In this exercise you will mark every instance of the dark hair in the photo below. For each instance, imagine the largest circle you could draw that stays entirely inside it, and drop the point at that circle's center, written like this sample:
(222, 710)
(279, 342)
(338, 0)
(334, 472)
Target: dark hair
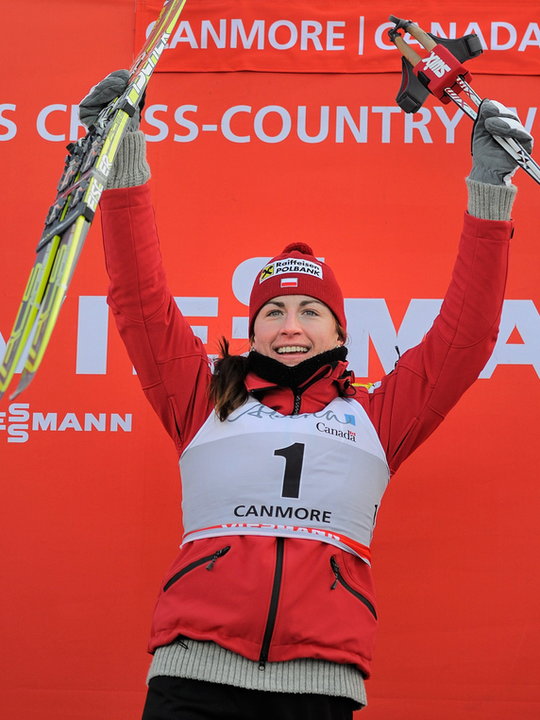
(227, 386)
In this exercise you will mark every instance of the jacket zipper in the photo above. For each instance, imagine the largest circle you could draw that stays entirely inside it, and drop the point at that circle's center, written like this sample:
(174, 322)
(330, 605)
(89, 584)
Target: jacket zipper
(340, 579)
(274, 601)
(210, 559)
(278, 575)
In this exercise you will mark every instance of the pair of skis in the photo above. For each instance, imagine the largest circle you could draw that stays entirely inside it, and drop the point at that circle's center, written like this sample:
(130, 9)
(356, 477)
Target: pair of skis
(443, 75)
(68, 220)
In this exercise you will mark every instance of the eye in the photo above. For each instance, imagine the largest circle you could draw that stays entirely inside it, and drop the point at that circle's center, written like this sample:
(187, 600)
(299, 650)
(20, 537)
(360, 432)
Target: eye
(273, 313)
(310, 312)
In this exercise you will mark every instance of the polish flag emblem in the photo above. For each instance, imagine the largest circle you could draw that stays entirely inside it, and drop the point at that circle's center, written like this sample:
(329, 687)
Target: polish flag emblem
(289, 282)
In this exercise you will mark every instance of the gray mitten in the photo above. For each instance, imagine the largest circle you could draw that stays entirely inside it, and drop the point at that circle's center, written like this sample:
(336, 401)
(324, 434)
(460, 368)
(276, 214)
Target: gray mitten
(492, 164)
(101, 95)
(130, 167)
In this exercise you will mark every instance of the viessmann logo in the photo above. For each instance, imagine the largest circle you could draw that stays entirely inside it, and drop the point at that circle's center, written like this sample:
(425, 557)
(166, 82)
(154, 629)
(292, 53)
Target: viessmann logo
(19, 422)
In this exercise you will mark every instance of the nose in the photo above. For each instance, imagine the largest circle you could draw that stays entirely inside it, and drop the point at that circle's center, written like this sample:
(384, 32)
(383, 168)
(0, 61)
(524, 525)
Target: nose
(290, 324)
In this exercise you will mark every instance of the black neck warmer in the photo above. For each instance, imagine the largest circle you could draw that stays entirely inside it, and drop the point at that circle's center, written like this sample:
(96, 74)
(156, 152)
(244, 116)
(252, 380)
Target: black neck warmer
(293, 377)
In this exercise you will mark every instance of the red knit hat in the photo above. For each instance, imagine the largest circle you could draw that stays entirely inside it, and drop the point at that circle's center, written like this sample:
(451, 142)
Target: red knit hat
(296, 272)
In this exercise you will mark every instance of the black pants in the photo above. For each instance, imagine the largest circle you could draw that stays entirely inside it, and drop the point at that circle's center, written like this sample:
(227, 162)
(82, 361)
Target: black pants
(171, 698)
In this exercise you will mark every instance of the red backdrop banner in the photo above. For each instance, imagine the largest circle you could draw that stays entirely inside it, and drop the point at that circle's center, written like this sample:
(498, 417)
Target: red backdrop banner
(309, 146)
(341, 36)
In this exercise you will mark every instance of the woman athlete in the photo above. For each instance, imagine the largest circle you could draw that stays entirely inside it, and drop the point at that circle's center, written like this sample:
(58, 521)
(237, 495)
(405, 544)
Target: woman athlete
(269, 609)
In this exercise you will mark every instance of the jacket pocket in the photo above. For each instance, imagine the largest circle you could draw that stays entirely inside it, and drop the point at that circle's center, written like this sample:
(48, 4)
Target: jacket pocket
(341, 580)
(210, 561)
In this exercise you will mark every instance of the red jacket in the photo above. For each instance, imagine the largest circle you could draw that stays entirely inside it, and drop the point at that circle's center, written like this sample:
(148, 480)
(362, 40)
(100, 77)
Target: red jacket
(273, 598)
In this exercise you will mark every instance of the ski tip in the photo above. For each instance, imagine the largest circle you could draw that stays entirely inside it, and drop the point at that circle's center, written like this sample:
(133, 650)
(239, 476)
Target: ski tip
(24, 382)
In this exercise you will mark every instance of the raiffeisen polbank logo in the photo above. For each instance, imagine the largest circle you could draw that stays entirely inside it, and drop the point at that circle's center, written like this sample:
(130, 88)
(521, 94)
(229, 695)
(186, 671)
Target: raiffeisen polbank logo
(19, 422)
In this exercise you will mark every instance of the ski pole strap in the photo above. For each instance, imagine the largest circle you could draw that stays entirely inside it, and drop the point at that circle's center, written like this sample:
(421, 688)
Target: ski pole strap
(442, 69)
(443, 74)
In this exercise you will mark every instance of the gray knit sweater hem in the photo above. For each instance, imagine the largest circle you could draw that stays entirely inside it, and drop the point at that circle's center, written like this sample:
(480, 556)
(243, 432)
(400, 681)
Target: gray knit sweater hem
(209, 662)
(490, 202)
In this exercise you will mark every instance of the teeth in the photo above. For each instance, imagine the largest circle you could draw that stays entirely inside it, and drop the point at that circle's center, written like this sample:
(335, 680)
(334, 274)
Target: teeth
(291, 349)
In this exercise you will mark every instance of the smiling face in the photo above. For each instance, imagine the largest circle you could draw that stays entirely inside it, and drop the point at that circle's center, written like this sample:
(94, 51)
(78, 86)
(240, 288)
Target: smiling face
(292, 328)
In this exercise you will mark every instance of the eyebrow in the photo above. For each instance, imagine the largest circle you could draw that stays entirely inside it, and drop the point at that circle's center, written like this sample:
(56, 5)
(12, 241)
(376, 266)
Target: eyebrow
(302, 303)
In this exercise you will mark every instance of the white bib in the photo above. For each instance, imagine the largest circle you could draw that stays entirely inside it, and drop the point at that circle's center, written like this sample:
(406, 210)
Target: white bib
(318, 476)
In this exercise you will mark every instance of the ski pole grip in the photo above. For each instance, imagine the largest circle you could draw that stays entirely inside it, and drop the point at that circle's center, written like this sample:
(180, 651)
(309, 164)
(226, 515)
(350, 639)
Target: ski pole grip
(423, 38)
(406, 50)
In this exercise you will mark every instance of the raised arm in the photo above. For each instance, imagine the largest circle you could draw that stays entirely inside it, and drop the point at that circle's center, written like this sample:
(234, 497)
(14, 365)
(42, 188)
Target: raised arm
(171, 363)
(430, 378)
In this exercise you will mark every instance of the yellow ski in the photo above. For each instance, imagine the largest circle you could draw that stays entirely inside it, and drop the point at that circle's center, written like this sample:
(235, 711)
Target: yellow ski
(87, 167)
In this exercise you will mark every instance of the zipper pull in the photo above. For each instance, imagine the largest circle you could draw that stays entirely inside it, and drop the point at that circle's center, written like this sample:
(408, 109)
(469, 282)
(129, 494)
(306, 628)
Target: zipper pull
(216, 555)
(335, 570)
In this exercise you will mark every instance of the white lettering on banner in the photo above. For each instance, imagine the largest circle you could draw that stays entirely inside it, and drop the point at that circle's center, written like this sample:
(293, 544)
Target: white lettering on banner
(531, 38)
(520, 315)
(313, 30)
(318, 124)
(314, 35)
(193, 130)
(450, 124)
(286, 124)
(369, 321)
(75, 126)
(153, 121)
(334, 124)
(93, 327)
(383, 42)
(9, 125)
(510, 32)
(41, 119)
(491, 30)
(417, 122)
(290, 36)
(438, 29)
(279, 35)
(92, 335)
(333, 35)
(238, 31)
(220, 39)
(270, 124)
(357, 130)
(19, 421)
